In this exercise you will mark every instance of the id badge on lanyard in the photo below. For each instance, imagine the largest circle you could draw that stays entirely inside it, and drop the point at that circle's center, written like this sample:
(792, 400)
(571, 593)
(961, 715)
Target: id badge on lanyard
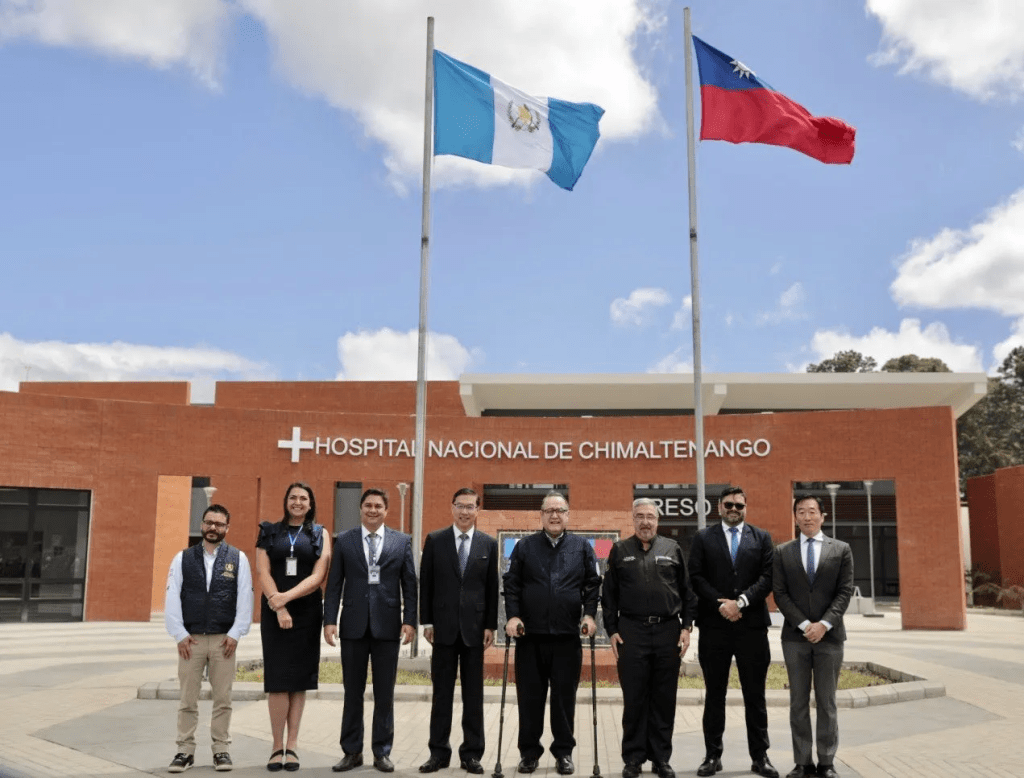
(291, 564)
(374, 574)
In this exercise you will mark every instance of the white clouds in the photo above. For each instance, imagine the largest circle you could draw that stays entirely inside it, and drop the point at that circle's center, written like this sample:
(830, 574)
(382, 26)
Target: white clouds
(161, 33)
(789, 307)
(980, 267)
(387, 355)
(974, 47)
(367, 57)
(57, 361)
(636, 309)
(672, 363)
(1004, 347)
(1018, 142)
(932, 341)
(684, 316)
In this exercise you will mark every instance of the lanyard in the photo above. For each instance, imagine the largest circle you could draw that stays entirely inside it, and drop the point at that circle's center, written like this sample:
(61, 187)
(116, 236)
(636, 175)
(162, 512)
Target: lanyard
(293, 538)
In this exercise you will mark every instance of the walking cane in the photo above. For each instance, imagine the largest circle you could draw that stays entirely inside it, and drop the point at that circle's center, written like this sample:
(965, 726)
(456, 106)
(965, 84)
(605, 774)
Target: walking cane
(501, 718)
(593, 686)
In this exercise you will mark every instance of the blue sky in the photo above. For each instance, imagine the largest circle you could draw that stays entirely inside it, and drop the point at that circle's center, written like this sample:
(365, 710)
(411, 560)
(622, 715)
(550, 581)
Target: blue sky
(210, 190)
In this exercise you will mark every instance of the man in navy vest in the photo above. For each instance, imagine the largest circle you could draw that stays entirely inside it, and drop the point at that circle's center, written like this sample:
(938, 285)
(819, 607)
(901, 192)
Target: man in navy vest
(207, 609)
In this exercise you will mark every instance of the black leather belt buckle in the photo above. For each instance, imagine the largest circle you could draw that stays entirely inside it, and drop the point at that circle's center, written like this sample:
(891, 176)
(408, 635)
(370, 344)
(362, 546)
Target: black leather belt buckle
(652, 620)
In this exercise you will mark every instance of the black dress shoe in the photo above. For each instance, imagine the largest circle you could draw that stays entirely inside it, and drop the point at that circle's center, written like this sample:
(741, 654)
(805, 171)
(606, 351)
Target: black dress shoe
(472, 765)
(527, 765)
(763, 767)
(564, 765)
(433, 764)
(348, 762)
(664, 770)
(801, 770)
(710, 766)
(827, 771)
(383, 764)
(631, 770)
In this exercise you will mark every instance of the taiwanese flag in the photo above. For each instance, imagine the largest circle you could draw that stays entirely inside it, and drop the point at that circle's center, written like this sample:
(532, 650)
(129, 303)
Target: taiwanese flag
(738, 107)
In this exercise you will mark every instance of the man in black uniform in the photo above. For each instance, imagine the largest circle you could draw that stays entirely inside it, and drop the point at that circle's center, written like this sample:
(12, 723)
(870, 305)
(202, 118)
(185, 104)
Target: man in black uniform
(648, 613)
(552, 580)
(731, 572)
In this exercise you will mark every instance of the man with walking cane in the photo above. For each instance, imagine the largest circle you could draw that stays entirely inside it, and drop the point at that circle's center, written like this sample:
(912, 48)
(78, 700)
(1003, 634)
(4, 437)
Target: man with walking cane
(552, 581)
(649, 609)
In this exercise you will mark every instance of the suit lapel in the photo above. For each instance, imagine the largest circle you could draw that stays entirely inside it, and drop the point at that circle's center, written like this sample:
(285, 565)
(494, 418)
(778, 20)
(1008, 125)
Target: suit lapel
(476, 547)
(718, 538)
(827, 550)
(357, 544)
(797, 558)
(451, 543)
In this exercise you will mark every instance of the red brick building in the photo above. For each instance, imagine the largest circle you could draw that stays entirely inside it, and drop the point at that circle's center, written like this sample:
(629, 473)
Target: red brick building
(997, 524)
(101, 483)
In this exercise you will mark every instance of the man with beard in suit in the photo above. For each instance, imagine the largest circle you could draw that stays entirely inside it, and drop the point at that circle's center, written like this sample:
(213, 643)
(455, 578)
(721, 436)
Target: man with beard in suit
(459, 613)
(731, 572)
(813, 583)
(372, 576)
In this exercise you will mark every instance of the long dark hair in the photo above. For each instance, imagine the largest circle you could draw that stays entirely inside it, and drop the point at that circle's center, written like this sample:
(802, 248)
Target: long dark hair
(310, 519)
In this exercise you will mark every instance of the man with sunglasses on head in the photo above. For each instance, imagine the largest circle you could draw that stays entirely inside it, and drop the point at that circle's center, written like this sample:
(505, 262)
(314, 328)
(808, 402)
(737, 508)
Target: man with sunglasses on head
(552, 581)
(731, 572)
(207, 610)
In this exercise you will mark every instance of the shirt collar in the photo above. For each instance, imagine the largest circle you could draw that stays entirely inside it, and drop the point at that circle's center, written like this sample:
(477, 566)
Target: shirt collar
(379, 533)
(458, 532)
(726, 528)
(820, 537)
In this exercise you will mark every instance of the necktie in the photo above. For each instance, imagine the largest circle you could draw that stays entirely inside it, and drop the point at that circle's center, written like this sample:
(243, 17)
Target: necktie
(734, 542)
(463, 552)
(810, 559)
(372, 540)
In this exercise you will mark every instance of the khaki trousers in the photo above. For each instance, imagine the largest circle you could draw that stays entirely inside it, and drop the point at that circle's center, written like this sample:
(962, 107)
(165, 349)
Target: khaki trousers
(206, 653)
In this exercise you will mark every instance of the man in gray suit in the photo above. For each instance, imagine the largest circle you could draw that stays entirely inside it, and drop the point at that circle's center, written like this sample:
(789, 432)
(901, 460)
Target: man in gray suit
(813, 583)
(372, 576)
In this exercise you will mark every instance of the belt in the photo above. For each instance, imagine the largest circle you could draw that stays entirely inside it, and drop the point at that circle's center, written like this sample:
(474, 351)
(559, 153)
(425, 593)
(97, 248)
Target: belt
(649, 619)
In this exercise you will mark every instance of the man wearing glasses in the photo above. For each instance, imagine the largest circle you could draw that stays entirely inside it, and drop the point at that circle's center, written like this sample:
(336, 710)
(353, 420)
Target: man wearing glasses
(459, 613)
(552, 581)
(731, 572)
(207, 610)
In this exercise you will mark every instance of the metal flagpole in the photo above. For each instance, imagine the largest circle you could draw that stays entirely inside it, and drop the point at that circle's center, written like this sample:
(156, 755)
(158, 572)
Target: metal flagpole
(698, 394)
(421, 352)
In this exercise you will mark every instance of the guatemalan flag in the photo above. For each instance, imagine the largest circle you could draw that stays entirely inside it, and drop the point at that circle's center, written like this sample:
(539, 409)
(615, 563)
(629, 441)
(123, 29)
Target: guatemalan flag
(479, 117)
(738, 107)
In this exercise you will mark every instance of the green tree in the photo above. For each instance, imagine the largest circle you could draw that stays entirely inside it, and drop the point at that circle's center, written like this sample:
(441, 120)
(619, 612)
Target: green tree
(912, 363)
(845, 362)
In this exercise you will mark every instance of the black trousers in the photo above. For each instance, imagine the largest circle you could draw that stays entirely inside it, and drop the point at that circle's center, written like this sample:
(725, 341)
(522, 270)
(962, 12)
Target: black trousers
(355, 654)
(547, 661)
(716, 649)
(469, 662)
(648, 665)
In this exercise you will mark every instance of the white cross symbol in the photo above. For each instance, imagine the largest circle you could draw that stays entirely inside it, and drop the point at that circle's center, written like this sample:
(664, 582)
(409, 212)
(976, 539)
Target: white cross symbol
(296, 444)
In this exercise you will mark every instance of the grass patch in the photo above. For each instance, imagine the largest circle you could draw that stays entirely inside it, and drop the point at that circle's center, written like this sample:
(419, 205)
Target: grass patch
(330, 672)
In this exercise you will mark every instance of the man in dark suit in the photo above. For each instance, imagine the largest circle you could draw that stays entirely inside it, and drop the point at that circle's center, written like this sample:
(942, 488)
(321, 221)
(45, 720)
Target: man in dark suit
(813, 584)
(731, 572)
(459, 613)
(372, 576)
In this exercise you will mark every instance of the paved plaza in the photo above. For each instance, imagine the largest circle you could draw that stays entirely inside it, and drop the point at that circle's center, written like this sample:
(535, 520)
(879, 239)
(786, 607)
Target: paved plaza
(69, 706)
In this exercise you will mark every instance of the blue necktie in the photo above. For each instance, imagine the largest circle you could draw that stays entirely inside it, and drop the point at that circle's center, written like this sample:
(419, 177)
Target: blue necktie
(734, 542)
(810, 560)
(463, 552)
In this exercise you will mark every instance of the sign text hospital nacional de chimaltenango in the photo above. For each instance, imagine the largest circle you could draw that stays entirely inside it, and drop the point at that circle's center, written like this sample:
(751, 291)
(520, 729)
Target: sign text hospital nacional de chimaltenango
(507, 449)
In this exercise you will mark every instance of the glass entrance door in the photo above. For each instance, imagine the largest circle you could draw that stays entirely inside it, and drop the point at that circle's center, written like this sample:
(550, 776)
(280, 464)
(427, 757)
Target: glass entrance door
(44, 536)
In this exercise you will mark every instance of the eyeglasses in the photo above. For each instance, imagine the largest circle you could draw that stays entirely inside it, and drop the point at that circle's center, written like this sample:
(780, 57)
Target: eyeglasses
(553, 511)
(214, 524)
(738, 506)
(468, 507)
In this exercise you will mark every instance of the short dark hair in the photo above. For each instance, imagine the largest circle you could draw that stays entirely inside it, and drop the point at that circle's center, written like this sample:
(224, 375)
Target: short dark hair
(374, 492)
(218, 508)
(801, 497)
(731, 490)
(556, 493)
(466, 490)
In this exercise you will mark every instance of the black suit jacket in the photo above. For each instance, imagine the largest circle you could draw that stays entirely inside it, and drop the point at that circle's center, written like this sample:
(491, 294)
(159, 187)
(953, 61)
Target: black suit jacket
(457, 605)
(379, 605)
(713, 576)
(825, 600)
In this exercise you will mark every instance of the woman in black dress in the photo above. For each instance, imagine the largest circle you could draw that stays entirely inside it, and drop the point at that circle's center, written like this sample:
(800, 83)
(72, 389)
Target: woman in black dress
(292, 560)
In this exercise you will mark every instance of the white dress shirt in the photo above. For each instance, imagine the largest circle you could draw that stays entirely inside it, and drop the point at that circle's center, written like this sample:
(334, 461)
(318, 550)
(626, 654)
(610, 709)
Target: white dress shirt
(173, 620)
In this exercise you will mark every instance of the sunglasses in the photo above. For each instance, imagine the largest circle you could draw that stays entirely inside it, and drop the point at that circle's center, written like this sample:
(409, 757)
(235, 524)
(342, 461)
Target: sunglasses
(739, 506)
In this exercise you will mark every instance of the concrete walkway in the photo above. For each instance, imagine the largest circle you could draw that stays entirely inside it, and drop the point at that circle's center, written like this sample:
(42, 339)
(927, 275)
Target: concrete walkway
(69, 707)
